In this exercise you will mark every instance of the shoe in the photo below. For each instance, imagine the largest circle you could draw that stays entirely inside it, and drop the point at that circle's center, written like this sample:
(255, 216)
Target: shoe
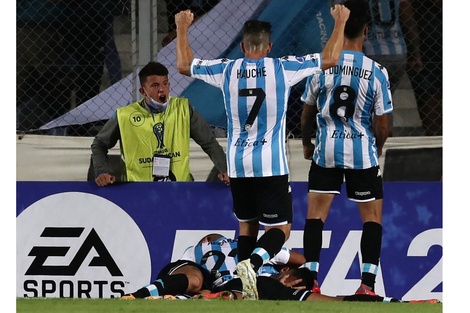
(169, 297)
(128, 297)
(316, 288)
(248, 277)
(432, 301)
(224, 295)
(183, 297)
(153, 298)
(365, 290)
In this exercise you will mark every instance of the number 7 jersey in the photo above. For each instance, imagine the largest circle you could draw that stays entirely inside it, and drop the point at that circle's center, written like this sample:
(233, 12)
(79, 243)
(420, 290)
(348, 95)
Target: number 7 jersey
(256, 94)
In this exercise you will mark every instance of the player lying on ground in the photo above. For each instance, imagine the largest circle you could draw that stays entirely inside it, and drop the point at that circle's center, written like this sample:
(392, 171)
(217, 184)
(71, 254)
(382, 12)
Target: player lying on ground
(292, 284)
(203, 268)
(191, 275)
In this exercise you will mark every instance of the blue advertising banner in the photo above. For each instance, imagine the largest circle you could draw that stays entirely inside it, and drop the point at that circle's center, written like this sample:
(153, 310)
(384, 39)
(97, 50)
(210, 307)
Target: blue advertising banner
(75, 239)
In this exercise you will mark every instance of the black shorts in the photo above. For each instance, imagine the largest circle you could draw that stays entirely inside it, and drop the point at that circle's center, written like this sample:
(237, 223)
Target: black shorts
(361, 185)
(171, 267)
(266, 199)
(270, 289)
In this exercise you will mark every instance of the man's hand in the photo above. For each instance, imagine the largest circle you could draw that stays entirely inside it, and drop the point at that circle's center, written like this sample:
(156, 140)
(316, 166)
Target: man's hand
(184, 19)
(291, 283)
(308, 151)
(340, 13)
(105, 179)
(224, 177)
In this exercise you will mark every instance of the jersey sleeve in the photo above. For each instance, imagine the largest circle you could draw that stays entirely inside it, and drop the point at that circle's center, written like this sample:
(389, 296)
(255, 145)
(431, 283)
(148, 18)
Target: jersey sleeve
(210, 71)
(312, 88)
(383, 95)
(297, 68)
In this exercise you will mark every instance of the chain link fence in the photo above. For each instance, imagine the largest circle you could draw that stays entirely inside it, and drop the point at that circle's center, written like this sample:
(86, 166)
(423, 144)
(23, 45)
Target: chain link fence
(73, 53)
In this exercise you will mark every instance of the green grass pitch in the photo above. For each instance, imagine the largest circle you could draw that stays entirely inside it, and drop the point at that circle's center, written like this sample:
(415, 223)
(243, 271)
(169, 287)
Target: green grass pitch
(49, 305)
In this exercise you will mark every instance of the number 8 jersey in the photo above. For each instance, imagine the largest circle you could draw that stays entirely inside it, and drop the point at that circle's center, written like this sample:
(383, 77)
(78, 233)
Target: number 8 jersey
(255, 96)
(348, 96)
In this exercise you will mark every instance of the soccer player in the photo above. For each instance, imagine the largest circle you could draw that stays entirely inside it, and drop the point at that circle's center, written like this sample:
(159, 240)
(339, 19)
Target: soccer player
(352, 103)
(205, 272)
(256, 89)
(294, 284)
(205, 268)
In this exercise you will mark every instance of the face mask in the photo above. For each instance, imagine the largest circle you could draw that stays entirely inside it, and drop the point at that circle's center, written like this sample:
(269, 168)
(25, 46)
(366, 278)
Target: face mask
(158, 105)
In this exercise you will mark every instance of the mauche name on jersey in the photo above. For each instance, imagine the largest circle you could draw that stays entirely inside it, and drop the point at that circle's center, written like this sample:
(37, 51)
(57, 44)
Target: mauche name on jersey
(251, 73)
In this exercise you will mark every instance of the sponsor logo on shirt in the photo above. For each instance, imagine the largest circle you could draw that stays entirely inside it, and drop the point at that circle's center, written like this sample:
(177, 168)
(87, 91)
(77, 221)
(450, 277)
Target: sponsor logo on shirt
(339, 134)
(247, 143)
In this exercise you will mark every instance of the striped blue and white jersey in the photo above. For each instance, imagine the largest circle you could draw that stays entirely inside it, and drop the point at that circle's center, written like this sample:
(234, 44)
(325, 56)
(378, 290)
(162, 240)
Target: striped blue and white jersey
(385, 36)
(347, 97)
(255, 96)
(220, 258)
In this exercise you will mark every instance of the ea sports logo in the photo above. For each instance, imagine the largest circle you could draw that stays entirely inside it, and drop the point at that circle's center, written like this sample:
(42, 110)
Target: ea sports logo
(79, 245)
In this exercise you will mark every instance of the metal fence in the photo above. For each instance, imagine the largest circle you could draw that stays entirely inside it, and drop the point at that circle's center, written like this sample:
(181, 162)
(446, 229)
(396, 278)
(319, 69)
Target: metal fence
(69, 53)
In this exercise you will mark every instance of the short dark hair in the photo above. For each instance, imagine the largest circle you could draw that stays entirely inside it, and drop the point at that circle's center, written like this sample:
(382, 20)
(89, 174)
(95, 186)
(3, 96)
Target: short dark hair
(256, 26)
(254, 31)
(152, 68)
(359, 17)
(304, 274)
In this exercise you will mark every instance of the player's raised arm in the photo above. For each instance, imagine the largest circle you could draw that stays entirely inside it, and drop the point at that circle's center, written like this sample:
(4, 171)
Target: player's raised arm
(334, 45)
(184, 55)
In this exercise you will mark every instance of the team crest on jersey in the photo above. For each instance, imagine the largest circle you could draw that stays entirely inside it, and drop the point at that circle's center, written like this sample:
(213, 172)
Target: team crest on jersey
(300, 59)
